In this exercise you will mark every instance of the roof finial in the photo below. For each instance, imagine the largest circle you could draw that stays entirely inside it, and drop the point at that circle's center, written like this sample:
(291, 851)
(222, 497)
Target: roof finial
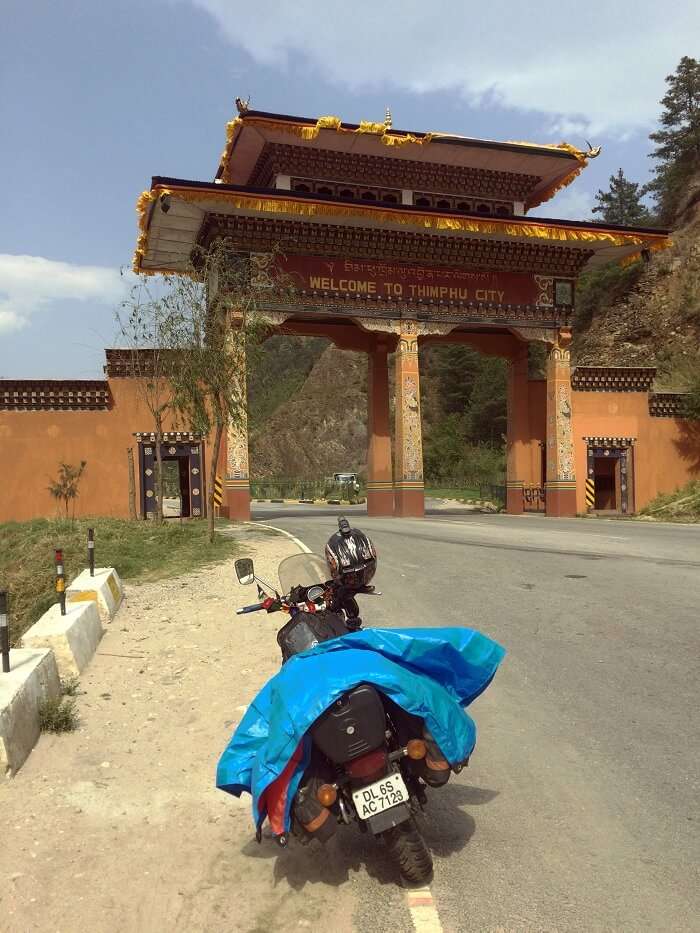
(593, 151)
(242, 106)
(387, 119)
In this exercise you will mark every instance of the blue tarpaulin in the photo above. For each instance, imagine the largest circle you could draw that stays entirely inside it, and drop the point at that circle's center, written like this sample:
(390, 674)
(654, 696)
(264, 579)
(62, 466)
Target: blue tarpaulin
(430, 672)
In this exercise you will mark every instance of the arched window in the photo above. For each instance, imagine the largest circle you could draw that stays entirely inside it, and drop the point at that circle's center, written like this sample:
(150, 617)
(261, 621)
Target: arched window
(347, 194)
(483, 208)
(300, 186)
(369, 196)
(390, 199)
(502, 211)
(443, 205)
(422, 202)
(464, 206)
(324, 189)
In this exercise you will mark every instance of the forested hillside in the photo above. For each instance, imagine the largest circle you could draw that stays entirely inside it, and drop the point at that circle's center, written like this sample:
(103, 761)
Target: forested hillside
(309, 411)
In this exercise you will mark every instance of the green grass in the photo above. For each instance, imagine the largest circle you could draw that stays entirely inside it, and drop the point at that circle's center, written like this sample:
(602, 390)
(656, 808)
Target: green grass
(139, 551)
(58, 714)
(683, 505)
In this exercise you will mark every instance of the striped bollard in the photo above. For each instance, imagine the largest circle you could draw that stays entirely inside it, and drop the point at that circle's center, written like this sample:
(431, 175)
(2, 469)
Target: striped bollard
(60, 580)
(91, 551)
(4, 634)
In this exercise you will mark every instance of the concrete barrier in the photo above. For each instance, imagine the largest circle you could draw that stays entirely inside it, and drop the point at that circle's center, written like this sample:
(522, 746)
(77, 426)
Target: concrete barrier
(33, 678)
(105, 589)
(73, 637)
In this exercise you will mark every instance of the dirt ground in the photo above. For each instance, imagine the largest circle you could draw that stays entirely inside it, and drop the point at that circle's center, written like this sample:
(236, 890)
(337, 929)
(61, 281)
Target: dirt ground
(118, 826)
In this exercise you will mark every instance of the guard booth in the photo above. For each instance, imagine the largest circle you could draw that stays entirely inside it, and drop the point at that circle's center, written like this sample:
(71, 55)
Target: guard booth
(396, 239)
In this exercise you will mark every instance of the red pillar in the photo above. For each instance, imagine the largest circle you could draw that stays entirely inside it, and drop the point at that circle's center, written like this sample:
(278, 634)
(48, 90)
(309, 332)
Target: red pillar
(409, 494)
(518, 432)
(238, 499)
(561, 474)
(380, 487)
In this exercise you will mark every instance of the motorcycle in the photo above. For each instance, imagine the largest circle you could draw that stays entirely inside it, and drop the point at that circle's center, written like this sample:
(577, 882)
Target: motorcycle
(370, 760)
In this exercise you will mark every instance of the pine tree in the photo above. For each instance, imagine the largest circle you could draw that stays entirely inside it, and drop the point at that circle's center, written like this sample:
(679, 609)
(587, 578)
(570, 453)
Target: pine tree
(486, 416)
(455, 367)
(678, 140)
(622, 202)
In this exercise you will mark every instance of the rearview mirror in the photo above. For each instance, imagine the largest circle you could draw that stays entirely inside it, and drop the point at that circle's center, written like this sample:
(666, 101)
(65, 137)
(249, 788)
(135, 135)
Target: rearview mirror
(244, 570)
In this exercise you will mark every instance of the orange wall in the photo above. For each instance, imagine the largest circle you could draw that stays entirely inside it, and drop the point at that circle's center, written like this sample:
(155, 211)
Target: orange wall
(666, 450)
(33, 443)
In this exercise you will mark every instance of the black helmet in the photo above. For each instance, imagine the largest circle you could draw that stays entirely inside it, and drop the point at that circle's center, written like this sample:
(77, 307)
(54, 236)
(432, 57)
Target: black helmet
(351, 557)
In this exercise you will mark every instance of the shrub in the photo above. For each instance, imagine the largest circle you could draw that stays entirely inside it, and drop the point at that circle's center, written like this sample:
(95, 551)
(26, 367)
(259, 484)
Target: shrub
(58, 714)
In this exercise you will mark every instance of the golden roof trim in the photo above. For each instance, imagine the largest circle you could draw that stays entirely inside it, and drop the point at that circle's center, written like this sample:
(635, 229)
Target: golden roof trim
(390, 137)
(285, 203)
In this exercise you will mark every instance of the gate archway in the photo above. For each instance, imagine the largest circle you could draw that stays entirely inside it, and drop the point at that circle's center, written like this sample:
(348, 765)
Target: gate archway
(393, 238)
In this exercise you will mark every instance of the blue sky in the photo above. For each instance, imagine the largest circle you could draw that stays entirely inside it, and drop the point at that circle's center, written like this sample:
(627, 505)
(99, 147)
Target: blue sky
(95, 97)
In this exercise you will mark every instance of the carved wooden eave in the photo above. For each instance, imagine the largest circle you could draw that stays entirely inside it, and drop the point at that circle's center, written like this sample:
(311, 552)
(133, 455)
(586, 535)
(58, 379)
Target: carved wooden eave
(385, 171)
(369, 241)
(610, 441)
(54, 395)
(612, 378)
(133, 363)
(169, 437)
(176, 215)
(667, 404)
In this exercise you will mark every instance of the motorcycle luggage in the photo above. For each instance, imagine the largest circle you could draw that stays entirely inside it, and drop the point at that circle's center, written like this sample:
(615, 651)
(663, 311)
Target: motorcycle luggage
(434, 768)
(306, 629)
(311, 819)
(353, 726)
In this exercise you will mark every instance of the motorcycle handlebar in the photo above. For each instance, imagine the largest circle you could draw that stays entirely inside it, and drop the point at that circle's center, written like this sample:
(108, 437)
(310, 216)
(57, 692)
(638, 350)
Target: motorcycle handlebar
(256, 607)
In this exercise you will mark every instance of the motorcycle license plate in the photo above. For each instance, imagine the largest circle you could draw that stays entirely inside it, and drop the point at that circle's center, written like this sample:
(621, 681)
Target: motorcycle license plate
(382, 795)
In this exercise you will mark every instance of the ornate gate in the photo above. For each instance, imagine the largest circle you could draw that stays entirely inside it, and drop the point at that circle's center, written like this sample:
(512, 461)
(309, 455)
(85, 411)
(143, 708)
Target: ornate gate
(188, 450)
(610, 474)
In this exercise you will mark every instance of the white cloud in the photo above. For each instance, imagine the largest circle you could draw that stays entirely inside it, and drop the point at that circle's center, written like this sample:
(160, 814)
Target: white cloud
(30, 284)
(600, 66)
(570, 204)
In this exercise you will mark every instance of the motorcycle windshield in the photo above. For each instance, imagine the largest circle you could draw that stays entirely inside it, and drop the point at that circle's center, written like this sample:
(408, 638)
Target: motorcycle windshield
(302, 570)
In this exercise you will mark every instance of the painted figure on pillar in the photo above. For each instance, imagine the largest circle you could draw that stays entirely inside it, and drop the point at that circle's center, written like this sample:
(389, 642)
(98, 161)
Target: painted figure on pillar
(237, 469)
(412, 444)
(409, 442)
(561, 477)
(237, 452)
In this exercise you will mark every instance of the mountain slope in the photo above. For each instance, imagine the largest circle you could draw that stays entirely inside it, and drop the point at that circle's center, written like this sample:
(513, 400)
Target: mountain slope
(648, 314)
(322, 428)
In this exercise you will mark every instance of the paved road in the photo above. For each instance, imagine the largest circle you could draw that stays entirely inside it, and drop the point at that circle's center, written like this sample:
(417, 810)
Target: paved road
(580, 808)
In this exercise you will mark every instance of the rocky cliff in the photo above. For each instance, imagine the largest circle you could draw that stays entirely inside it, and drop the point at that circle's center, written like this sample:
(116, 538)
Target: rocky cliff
(650, 315)
(322, 427)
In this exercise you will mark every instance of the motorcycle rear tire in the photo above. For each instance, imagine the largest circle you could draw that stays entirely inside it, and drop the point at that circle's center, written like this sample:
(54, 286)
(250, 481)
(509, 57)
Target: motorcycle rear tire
(408, 849)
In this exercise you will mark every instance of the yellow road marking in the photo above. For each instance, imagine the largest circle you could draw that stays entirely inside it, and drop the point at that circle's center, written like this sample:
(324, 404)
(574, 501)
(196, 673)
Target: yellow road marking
(423, 911)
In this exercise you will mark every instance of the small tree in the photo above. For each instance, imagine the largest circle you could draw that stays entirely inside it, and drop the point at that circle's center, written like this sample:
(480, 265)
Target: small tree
(65, 488)
(677, 151)
(215, 329)
(146, 326)
(622, 202)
